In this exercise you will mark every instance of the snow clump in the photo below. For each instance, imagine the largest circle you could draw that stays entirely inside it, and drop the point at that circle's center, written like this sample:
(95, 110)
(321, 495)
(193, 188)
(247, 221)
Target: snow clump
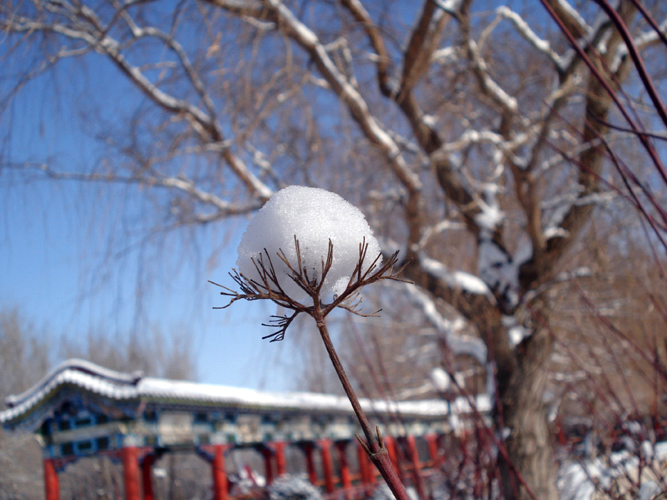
(440, 379)
(382, 492)
(314, 216)
(289, 487)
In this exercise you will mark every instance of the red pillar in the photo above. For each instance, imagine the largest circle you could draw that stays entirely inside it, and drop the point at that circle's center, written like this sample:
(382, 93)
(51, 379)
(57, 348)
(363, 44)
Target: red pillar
(310, 463)
(416, 466)
(414, 453)
(131, 473)
(366, 467)
(220, 486)
(51, 486)
(281, 462)
(390, 443)
(147, 477)
(268, 464)
(345, 477)
(327, 465)
(363, 465)
(432, 442)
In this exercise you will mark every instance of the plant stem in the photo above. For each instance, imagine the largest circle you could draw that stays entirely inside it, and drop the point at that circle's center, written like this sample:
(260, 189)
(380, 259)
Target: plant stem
(375, 447)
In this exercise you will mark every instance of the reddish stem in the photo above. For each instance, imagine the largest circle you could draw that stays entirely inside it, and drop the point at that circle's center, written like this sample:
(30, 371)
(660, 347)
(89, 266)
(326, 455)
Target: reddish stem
(374, 445)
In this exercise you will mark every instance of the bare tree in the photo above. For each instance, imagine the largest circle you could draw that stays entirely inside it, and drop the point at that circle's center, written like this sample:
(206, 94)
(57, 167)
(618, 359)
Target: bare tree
(475, 136)
(24, 358)
(24, 354)
(156, 354)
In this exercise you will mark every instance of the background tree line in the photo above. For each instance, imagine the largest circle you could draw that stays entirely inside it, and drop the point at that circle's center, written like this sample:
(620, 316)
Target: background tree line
(27, 353)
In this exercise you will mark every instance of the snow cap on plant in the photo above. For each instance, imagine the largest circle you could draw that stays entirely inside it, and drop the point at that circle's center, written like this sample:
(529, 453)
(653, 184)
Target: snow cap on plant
(314, 216)
(311, 243)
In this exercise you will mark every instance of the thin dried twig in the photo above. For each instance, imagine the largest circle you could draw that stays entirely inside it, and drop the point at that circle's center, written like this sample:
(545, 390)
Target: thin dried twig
(282, 323)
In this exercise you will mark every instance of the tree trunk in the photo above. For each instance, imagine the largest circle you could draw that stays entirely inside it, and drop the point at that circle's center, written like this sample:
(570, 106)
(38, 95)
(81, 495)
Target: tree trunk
(524, 414)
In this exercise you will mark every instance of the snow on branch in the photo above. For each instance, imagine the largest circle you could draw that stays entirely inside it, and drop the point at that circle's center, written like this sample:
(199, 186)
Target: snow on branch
(222, 207)
(446, 55)
(528, 34)
(472, 137)
(562, 205)
(458, 280)
(574, 14)
(641, 41)
(85, 26)
(487, 84)
(348, 94)
(177, 48)
(596, 35)
(448, 6)
(458, 343)
(497, 267)
(440, 227)
(200, 120)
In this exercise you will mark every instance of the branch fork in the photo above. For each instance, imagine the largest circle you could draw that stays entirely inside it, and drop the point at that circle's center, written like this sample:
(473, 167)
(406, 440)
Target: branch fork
(266, 285)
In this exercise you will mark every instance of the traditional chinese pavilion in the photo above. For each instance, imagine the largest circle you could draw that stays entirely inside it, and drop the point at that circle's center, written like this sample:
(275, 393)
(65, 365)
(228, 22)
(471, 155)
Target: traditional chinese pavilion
(80, 409)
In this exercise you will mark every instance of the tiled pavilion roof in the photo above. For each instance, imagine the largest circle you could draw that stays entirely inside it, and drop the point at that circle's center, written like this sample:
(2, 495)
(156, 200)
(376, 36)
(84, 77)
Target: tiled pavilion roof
(133, 387)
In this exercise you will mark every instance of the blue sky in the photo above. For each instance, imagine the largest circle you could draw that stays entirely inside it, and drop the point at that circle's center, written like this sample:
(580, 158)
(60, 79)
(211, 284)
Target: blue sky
(54, 248)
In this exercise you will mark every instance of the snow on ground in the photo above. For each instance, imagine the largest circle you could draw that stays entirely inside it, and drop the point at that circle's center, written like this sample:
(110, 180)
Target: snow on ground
(577, 479)
(291, 487)
(314, 216)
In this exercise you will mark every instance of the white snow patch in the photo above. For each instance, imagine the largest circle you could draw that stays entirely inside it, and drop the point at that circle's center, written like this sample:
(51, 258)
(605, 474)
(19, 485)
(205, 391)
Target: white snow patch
(523, 254)
(577, 479)
(517, 334)
(648, 490)
(496, 267)
(440, 379)
(640, 41)
(430, 120)
(456, 342)
(528, 34)
(648, 452)
(498, 270)
(292, 487)
(515, 331)
(469, 283)
(555, 232)
(456, 279)
(575, 14)
(489, 218)
(314, 216)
